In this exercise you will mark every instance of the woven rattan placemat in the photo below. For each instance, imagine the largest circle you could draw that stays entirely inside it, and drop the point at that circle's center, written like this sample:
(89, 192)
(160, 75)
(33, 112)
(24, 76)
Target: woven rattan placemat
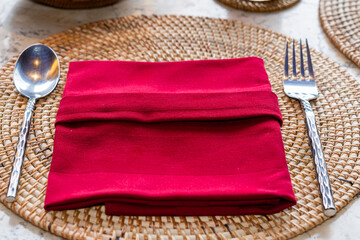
(259, 6)
(173, 38)
(340, 20)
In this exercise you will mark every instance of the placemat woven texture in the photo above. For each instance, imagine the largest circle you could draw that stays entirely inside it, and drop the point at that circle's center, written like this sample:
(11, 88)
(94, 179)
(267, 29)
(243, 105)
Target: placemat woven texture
(76, 3)
(258, 6)
(340, 20)
(174, 38)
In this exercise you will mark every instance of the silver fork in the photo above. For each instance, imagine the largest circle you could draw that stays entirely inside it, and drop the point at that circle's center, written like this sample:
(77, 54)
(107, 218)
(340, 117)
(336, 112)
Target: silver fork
(304, 89)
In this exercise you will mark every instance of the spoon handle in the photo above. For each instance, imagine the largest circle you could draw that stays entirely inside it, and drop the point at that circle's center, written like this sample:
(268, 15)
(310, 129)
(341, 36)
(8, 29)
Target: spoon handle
(20, 151)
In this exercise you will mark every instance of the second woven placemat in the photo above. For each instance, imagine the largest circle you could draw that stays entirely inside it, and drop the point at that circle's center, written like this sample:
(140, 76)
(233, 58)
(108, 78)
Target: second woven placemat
(340, 20)
(260, 6)
(174, 38)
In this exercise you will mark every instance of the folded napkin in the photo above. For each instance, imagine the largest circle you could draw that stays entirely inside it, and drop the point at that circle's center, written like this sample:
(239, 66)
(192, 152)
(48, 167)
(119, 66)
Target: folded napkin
(169, 138)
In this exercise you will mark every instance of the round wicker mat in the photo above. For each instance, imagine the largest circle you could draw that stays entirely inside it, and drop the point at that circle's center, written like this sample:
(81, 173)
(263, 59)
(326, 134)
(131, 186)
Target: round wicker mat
(259, 6)
(341, 22)
(173, 38)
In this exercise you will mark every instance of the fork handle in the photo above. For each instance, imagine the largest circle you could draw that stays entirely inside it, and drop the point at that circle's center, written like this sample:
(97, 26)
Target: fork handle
(320, 164)
(19, 152)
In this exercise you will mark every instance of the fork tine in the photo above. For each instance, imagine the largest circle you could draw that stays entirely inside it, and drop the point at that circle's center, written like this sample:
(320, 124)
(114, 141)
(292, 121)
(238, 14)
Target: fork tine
(294, 62)
(286, 63)
(302, 71)
(311, 72)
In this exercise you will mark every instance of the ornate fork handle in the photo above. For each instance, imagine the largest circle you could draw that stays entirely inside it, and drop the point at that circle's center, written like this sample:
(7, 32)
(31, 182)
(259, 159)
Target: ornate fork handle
(20, 151)
(320, 164)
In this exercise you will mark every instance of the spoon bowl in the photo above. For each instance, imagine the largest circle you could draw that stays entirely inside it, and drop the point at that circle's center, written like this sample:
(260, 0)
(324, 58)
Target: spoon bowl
(36, 74)
(36, 71)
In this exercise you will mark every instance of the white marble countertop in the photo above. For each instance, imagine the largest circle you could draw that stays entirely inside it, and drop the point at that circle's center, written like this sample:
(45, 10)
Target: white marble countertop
(23, 22)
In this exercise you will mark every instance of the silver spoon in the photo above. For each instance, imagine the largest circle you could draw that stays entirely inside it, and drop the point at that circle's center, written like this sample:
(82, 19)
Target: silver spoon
(36, 74)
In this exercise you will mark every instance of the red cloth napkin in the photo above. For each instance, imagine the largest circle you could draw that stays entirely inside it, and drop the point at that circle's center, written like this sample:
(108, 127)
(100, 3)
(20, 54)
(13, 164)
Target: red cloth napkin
(169, 138)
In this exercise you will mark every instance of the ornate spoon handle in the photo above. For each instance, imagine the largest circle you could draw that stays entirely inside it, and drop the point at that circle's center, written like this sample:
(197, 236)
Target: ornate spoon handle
(320, 164)
(20, 151)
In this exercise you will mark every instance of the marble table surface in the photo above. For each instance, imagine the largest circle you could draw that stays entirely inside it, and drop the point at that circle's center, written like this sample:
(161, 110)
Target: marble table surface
(23, 22)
